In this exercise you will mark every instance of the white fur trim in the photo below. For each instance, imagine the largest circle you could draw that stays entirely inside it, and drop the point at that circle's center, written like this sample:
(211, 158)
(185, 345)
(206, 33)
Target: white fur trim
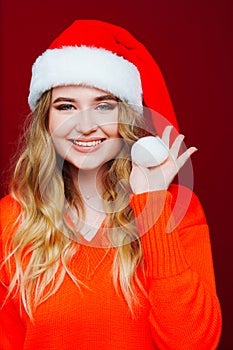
(85, 65)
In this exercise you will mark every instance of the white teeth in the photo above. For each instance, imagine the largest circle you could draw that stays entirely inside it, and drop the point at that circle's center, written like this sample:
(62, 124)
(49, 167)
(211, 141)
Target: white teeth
(86, 144)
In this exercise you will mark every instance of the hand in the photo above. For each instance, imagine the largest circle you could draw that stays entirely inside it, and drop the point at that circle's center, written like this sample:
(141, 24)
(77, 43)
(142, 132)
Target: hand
(146, 179)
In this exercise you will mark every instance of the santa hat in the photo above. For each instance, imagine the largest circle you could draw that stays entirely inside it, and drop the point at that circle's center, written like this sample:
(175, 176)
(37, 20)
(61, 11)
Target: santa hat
(108, 57)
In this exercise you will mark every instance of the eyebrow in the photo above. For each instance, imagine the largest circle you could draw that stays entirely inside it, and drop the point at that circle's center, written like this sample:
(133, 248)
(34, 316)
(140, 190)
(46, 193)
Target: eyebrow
(96, 99)
(106, 97)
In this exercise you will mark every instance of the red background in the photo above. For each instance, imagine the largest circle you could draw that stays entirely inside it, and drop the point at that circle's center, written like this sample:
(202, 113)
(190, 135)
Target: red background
(192, 43)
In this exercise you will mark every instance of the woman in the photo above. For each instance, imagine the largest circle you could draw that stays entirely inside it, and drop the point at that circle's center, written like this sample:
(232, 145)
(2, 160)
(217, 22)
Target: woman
(93, 253)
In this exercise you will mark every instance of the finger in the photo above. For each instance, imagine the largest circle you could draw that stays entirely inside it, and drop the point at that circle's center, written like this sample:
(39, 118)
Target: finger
(166, 135)
(175, 148)
(185, 156)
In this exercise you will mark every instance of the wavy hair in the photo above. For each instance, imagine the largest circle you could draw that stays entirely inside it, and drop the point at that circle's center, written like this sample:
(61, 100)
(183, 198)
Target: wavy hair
(42, 185)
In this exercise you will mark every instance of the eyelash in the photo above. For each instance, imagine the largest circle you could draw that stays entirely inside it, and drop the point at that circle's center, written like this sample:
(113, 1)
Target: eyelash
(65, 107)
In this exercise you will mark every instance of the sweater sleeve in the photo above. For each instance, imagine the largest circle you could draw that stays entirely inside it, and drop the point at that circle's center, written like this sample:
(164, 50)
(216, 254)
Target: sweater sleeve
(12, 330)
(184, 308)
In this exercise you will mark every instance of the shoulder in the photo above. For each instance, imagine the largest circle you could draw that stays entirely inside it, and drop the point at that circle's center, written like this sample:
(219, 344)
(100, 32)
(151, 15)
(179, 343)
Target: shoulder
(9, 206)
(7, 200)
(9, 212)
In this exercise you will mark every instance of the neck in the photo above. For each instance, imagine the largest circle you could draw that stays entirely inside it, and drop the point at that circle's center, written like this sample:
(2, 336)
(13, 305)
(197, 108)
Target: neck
(89, 182)
(90, 186)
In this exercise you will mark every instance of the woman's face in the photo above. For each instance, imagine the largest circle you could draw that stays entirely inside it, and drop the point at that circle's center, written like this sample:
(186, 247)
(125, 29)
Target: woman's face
(83, 123)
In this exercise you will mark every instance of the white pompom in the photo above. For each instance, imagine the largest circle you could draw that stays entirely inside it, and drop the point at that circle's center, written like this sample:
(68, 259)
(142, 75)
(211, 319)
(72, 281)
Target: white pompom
(149, 151)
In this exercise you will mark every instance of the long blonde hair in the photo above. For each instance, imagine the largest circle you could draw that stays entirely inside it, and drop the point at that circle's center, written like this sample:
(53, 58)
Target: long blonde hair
(42, 189)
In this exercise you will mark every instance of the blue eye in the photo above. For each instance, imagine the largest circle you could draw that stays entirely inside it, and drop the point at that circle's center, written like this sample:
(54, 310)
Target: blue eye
(105, 107)
(65, 107)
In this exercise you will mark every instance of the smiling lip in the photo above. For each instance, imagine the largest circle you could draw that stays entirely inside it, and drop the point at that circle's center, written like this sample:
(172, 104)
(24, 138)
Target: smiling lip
(86, 146)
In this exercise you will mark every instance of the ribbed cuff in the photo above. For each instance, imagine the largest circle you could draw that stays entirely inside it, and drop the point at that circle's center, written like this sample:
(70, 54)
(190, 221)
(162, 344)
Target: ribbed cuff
(163, 253)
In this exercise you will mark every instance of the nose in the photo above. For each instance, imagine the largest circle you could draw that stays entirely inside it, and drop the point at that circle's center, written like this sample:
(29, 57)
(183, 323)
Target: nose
(86, 122)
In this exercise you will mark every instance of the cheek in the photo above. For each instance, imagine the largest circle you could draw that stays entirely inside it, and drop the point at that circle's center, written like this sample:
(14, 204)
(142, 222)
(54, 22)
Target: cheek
(114, 145)
(52, 127)
(110, 124)
(58, 126)
(111, 130)
(53, 124)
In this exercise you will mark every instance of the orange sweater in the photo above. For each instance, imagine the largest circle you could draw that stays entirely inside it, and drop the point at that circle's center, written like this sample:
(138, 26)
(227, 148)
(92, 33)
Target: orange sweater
(181, 311)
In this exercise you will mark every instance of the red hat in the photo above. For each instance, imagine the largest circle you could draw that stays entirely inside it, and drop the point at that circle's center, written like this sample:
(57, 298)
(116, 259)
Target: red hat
(105, 56)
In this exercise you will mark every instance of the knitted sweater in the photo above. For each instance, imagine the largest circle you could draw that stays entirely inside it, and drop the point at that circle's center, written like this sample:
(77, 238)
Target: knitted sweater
(181, 310)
